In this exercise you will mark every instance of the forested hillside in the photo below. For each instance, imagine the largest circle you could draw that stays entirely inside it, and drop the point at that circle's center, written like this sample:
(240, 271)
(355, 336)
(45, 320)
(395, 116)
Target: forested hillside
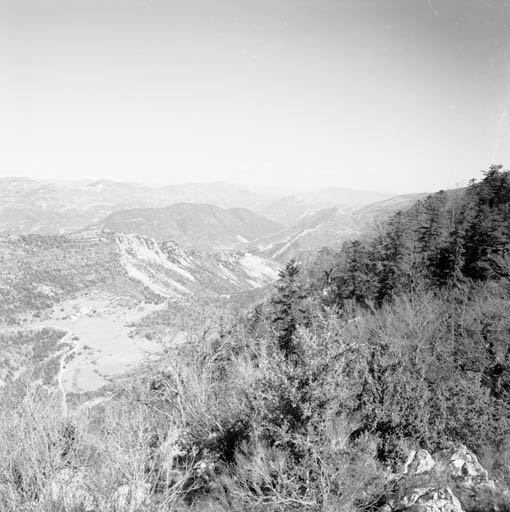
(315, 399)
(428, 298)
(443, 241)
(201, 226)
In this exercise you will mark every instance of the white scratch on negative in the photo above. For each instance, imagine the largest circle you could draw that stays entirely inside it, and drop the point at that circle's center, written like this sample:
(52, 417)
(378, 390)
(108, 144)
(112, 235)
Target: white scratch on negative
(432, 8)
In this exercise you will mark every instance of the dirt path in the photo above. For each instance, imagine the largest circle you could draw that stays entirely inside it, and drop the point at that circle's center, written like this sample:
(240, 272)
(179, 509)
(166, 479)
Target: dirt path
(66, 339)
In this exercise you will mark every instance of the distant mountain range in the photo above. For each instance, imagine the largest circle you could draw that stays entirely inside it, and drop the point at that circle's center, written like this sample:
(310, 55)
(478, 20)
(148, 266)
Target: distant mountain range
(203, 226)
(271, 223)
(383, 209)
(58, 207)
(290, 209)
(328, 227)
(313, 230)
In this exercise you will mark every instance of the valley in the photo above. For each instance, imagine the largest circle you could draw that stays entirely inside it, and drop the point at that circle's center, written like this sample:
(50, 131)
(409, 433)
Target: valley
(254, 256)
(102, 347)
(93, 344)
(95, 287)
(110, 266)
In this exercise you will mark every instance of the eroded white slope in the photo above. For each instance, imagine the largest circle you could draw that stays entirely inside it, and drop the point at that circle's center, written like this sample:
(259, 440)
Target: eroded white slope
(169, 270)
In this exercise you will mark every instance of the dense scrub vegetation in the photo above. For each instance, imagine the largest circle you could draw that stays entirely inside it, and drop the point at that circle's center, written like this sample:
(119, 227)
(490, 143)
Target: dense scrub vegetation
(312, 400)
(36, 272)
(433, 287)
(39, 349)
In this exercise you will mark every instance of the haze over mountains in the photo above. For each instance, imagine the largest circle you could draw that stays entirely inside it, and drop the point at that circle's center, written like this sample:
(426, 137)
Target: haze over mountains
(273, 223)
(57, 207)
(209, 227)
(290, 209)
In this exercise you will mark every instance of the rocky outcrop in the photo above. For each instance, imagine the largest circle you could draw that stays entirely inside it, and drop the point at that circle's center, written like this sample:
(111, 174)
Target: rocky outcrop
(418, 462)
(430, 499)
(461, 465)
(453, 480)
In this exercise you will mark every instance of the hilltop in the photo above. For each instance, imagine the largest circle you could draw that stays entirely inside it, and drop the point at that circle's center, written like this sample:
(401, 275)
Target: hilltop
(202, 226)
(57, 207)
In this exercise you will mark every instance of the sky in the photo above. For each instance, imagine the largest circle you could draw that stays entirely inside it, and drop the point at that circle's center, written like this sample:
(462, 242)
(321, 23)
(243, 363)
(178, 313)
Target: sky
(389, 95)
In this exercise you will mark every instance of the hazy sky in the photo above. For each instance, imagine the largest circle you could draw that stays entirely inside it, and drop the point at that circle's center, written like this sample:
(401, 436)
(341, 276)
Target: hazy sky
(400, 95)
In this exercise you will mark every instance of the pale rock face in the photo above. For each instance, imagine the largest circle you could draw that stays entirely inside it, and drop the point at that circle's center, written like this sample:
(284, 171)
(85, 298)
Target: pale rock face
(462, 466)
(69, 490)
(130, 498)
(418, 462)
(430, 499)
(463, 481)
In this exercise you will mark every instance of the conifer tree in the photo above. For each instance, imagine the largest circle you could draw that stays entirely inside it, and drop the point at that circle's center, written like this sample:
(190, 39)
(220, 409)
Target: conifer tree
(288, 308)
(488, 234)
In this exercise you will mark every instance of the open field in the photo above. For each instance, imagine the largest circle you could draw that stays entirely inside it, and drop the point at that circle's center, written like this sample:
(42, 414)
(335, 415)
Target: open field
(105, 348)
(100, 339)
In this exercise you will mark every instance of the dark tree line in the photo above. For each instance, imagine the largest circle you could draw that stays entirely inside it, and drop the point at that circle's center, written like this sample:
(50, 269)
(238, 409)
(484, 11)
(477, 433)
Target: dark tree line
(443, 241)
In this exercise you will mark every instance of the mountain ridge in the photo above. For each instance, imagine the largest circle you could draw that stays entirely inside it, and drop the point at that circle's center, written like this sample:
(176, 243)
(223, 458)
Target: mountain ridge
(199, 225)
(58, 207)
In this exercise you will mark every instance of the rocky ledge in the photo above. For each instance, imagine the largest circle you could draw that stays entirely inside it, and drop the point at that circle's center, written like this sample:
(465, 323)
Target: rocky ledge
(451, 480)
